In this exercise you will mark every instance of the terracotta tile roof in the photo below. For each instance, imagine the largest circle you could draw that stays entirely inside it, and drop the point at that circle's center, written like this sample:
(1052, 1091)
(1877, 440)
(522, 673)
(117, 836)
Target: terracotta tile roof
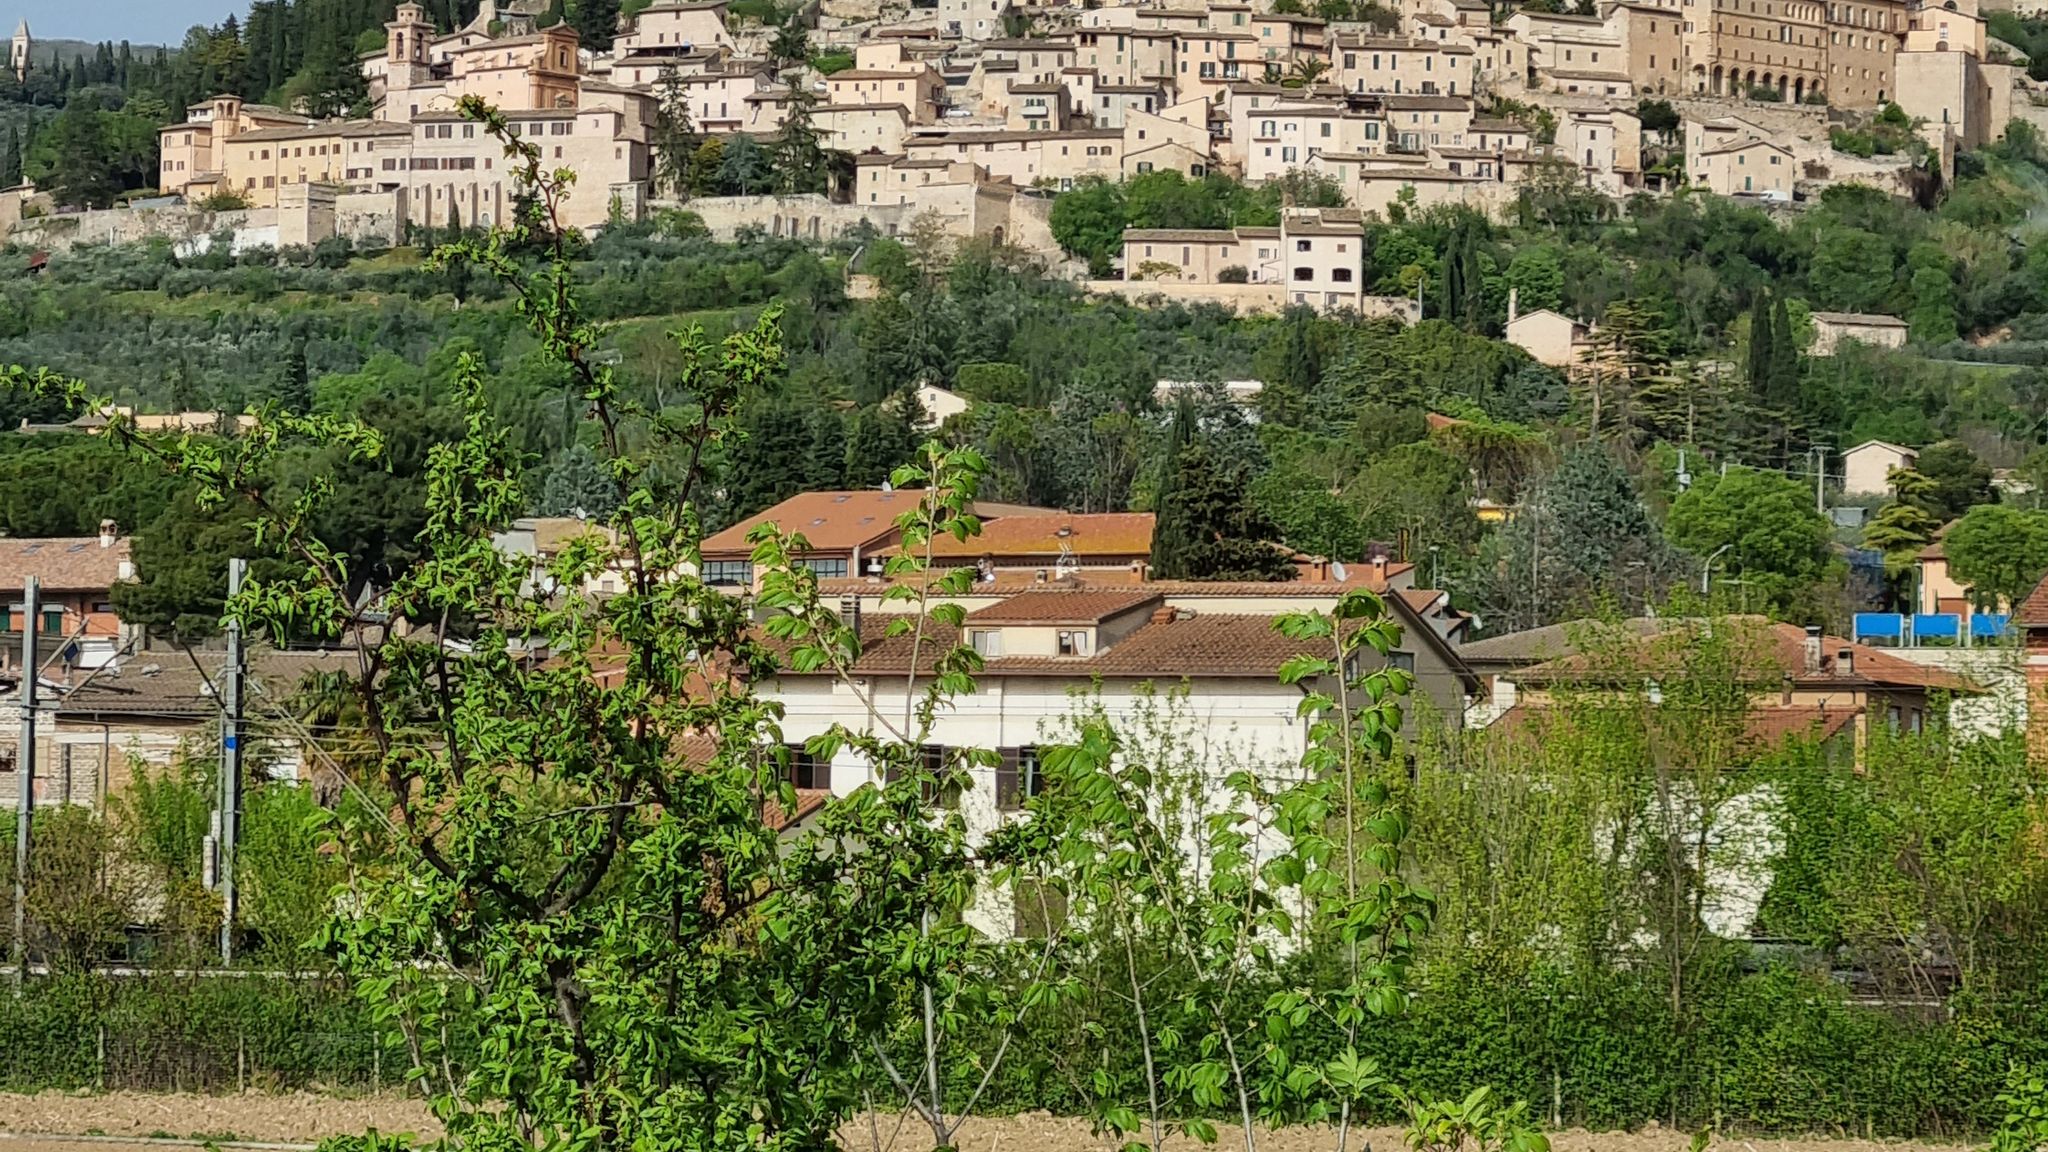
(1110, 534)
(830, 521)
(1762, 728)
(1012, 582)
(62, 563)
(1779, 650)
(1064, 607)
(171, 685)
(2033, 611)
(1201, 646)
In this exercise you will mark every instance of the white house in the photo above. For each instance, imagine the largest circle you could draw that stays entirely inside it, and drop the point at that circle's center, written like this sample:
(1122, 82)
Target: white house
(1866, 468)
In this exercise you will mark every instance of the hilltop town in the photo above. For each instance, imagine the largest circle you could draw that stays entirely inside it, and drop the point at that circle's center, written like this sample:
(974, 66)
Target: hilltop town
(978, 115)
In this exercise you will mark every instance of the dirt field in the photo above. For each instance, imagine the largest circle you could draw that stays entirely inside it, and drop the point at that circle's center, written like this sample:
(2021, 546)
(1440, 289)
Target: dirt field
(39, 1124)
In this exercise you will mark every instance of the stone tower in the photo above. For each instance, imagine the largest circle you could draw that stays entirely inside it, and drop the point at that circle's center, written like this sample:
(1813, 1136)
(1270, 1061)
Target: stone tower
(17, 56)
(406, 40)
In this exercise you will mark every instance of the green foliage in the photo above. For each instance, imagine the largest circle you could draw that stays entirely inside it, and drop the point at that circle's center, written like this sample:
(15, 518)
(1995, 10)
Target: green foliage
(1776, 541)
(1999, 551)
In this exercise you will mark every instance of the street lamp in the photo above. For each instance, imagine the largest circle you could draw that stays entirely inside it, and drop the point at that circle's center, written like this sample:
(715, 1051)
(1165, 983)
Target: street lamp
(1707, 573)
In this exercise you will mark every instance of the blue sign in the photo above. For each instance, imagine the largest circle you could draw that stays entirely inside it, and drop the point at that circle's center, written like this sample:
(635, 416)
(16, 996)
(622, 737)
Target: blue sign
(1880, 624)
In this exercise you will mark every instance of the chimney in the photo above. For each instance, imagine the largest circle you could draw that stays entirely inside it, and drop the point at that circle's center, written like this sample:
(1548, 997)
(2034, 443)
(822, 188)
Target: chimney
(849, 612)
(1162, 615)
(1514, 303)
(108, 534)
(1038, 577)
(1379, 569)
(1845, 662)
(1812, 649)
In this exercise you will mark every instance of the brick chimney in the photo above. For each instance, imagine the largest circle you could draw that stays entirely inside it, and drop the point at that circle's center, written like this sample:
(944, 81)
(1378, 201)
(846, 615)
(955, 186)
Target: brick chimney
(1813, 650)
(1845, 662)
(109, 533)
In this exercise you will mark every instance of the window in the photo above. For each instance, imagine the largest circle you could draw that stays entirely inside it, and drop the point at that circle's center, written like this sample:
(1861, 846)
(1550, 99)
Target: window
(988, 642)
(1301, 245)
(1341, 275)
(1304, 274)
(806, 770)
(1017, 777)
(825, 569)
(1040, 911)
(1405, 661)
(1073, 643)
(931, 762)
(729, 573)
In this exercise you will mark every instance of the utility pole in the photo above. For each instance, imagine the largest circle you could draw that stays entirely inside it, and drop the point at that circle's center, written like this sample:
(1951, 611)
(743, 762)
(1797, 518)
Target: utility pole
(1820, 474)
(25, 774)
(230, 767)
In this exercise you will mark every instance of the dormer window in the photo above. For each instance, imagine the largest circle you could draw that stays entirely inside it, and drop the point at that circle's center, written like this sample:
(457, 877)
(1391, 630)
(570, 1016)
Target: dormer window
(1073, 642)
(988, 642)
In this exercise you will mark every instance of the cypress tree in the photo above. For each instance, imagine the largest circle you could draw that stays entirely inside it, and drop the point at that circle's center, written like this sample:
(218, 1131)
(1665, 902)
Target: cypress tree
(1173, 539)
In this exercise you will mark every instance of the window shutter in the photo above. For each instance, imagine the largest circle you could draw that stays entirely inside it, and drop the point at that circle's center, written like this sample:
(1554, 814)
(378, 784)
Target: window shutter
(1009, 796)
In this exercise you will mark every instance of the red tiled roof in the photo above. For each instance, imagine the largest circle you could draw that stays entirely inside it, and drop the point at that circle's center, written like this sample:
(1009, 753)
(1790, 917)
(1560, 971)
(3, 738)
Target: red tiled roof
(1780, 650)
(1013, 582)
(829, 521)
(1064, 607)
(62, 563)
(1762, 728)
(1200, 646)
(2033, 611)
(1112, 534)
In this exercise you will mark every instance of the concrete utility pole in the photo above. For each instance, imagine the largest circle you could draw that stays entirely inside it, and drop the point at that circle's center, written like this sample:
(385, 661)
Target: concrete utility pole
(25, 774)
(230, 768)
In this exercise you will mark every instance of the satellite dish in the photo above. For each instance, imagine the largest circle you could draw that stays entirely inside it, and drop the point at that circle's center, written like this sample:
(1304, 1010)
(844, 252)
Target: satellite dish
(888, 487)
(1338, 570)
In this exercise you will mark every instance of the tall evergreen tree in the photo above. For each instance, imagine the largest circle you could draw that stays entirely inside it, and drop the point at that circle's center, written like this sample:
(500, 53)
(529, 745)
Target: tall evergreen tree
(675, 140)
(799, 156)
(1172, 533)
(597, 21)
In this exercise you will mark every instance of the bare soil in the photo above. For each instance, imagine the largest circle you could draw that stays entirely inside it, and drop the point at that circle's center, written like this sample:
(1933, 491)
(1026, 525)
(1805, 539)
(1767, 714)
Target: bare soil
(40, 1123)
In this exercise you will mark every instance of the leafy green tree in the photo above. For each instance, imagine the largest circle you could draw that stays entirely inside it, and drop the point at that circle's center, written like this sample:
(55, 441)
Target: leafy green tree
(1999, 551)
(1414, 496)
(596, 21)
(1903, 526)
(1932, 316)
(791, 45)
(1775, 539)
(1960, 479)
(1852, 270)
(1088, 221)
(707, 169)
(1537, 276)
(1214, 533)
(1290, 366)
(879, 439)
(1582, 540)
(744, 168)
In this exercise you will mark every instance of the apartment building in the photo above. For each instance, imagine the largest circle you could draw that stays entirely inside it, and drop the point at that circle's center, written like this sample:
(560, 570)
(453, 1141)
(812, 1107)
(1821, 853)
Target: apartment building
(196, 148)
(1278, 139)
(1316, 256)
(1404, 66)
(673, 28)
(1056, 159)
(862, 128)
(921, 92)
(1126, 56)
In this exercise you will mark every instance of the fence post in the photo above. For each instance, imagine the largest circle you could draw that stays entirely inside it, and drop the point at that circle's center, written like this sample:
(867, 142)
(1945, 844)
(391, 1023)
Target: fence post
(377, 1061)
(241, 1062)
(100, 1056)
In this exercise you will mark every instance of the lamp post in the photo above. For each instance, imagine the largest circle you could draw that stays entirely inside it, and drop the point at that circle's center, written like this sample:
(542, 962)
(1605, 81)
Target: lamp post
(1707, 573)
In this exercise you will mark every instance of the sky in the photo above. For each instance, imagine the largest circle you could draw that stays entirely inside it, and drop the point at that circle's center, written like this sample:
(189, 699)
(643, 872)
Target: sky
(138, 21)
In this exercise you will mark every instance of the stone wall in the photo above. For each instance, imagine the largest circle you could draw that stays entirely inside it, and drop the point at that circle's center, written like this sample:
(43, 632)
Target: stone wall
(1272, 297)
(178, 223)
